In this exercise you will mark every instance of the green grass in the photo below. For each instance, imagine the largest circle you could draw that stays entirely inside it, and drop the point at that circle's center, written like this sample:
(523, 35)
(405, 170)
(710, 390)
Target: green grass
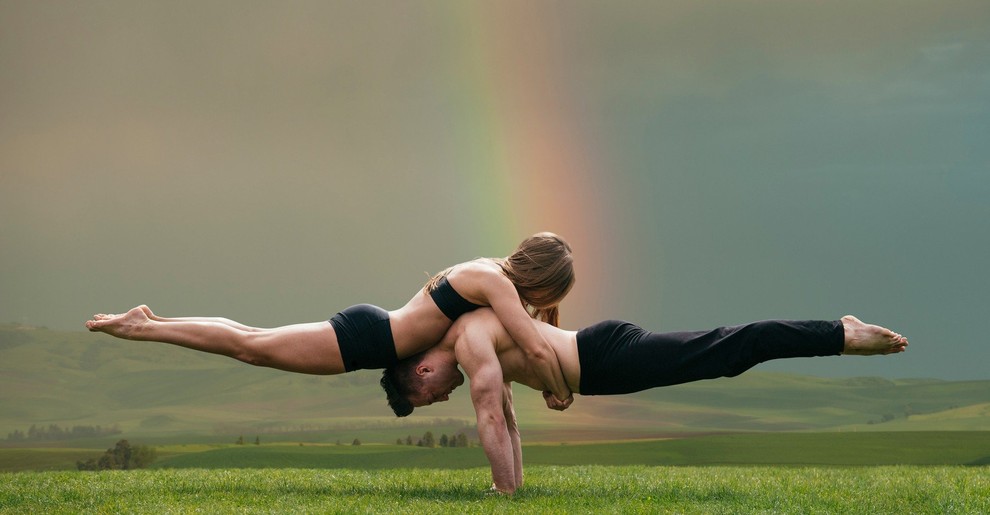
(14, 460)
(577, 489)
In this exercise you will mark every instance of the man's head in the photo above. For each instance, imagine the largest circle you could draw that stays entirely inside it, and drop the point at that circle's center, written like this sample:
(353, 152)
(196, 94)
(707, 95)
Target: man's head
(419, 380)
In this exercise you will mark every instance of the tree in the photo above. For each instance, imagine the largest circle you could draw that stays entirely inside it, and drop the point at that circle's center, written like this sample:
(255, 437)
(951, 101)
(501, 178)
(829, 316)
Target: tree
(121, 456)
(428, 440)
(108, 462)
(462, 440)
(356, 442)
(398, 441)
(257, 440)
(444, 440)
(409, 440)
(240, 440)
(55, 432)
(89, 464)
(142, 456)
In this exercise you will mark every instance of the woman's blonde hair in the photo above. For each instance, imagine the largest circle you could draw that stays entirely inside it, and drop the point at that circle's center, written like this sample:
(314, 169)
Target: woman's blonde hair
(541, 268)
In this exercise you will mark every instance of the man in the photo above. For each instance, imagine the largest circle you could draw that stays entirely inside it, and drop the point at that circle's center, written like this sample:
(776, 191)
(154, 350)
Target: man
(608, 358)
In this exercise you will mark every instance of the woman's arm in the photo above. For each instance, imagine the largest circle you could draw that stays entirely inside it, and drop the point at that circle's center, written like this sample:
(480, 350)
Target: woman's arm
(505, 302)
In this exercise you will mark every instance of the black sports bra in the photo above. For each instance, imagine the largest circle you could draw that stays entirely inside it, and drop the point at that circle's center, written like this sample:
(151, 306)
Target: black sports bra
(449, 301)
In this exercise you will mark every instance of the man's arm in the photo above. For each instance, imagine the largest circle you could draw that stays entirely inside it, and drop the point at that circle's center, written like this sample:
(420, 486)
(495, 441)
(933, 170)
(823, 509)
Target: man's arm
(510, 423)
(475, 351)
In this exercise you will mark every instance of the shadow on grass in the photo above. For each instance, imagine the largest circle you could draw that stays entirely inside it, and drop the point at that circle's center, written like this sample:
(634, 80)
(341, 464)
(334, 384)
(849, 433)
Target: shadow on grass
(471, 494)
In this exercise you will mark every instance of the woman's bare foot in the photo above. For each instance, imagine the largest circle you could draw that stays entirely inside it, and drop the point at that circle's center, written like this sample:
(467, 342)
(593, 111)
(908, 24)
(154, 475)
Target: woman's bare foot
(147, 311)
(127, 325)
(864, 339)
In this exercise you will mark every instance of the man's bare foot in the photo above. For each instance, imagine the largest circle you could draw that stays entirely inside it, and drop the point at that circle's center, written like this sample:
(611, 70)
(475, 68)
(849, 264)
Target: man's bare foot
(864, 339)
(127, 325)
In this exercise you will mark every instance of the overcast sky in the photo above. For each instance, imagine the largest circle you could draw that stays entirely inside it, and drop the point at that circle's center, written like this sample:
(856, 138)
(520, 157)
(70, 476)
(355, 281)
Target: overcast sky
(712, 163)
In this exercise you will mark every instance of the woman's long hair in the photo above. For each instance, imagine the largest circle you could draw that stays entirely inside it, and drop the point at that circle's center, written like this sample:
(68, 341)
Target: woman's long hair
(541, 268)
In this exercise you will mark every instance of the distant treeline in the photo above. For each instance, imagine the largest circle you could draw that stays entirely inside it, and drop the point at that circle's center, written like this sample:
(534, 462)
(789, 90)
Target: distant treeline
(225, 428)
(56, 432)
(458, 440)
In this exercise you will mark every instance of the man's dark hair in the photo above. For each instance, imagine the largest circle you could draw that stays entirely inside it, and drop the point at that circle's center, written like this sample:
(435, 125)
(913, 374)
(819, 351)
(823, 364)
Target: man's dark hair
(395, 381)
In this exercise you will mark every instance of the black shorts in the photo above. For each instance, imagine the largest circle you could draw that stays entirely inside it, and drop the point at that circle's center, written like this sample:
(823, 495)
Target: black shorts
(364, 336)
(617, 357)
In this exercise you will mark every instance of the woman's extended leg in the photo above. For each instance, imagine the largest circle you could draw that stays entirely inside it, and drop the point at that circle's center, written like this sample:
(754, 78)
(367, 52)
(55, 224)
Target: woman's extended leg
(304, 348)
(220, 320)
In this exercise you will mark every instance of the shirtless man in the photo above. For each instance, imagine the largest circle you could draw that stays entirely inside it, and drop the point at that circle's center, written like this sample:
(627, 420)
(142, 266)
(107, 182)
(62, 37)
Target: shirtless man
(608, 358)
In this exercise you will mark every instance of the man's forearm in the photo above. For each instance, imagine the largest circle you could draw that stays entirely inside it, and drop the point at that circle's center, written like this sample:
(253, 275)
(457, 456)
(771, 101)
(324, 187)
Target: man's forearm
(516, 443)
(498, 447)
(512, 426)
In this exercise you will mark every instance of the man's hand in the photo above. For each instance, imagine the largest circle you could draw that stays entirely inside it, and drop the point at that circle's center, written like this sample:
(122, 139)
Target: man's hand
(494, 490)
(555, 403)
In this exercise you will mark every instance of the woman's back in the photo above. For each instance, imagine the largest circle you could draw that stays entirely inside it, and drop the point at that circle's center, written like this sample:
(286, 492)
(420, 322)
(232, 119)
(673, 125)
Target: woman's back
(421, 323)
(418, 325)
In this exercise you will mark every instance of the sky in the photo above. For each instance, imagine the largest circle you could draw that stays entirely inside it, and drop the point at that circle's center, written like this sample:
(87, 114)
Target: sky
(711, 163)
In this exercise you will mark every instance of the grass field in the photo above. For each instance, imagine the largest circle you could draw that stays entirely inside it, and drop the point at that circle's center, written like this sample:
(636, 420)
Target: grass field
(548, 489)
(898, 472)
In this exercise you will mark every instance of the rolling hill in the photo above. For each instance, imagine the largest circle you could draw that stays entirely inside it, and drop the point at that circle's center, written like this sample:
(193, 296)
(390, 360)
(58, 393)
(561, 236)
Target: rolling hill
(151, 389)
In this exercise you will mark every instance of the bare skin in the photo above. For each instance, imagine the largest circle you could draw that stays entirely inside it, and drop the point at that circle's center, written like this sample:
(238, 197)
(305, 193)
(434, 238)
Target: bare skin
(305, 348)
(313, 348)
(107, 323)
(492, 360)
(862, 339)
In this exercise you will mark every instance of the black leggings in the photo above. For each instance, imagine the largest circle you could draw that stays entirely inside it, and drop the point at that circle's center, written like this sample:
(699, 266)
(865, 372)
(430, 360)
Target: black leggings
(619, 357)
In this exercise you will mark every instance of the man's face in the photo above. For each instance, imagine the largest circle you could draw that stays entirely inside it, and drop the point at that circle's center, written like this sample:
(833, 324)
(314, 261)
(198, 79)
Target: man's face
(434, 384)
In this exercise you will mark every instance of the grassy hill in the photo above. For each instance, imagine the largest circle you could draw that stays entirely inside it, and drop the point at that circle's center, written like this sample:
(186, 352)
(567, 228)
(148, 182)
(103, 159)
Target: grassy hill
(157, 390)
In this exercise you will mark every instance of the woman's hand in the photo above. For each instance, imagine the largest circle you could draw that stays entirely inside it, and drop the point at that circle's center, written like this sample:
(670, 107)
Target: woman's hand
(555, 403)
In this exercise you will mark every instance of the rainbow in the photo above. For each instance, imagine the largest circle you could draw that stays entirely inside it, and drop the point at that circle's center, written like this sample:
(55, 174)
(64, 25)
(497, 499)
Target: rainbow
(532, 167)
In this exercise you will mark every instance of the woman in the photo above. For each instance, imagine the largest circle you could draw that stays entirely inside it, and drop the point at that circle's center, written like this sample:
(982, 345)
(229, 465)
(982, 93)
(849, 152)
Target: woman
(539, 274)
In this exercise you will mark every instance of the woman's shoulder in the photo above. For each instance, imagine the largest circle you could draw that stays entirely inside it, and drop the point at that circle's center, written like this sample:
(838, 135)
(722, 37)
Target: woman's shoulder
(476, 273)
(480, 267)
